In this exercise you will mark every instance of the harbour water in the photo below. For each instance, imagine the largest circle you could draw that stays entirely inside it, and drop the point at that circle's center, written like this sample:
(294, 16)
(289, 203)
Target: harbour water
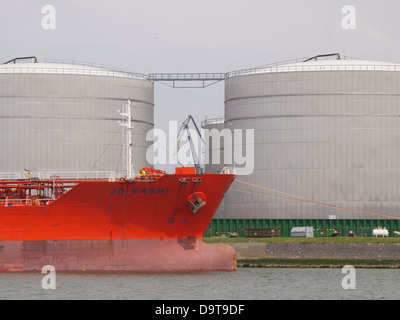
(244, 284)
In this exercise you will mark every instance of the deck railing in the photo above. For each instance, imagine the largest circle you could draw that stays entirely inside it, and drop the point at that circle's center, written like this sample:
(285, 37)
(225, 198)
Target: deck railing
(73, 175)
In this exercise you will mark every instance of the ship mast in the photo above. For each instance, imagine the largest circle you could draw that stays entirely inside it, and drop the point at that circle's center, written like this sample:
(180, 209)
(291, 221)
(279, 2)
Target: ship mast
(126, 113)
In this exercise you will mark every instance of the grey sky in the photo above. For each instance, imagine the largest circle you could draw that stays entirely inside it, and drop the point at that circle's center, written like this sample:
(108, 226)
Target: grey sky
(197, 36)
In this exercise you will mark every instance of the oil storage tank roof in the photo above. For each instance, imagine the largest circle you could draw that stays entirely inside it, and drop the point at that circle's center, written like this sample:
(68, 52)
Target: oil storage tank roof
(63, 68)
(322, 65)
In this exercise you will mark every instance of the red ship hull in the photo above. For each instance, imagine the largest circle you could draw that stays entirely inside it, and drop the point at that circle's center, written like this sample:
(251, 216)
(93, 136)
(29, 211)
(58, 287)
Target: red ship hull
(119, 226)
(185, 254)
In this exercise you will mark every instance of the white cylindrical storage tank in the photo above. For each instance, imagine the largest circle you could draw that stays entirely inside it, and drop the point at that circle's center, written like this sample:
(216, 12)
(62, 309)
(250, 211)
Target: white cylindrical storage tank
(64, 117)
(324, 130)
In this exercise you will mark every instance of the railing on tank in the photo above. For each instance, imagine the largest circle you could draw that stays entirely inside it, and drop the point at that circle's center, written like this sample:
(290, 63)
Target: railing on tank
(111, 70)
(282, 67)
(255, 69)
(73, 71)
(92, 69)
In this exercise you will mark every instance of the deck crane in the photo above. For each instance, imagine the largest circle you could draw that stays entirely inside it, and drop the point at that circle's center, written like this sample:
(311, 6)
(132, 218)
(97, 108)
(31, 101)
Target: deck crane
(185, 127)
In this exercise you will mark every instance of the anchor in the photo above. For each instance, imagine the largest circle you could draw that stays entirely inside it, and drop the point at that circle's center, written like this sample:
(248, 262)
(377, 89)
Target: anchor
(195, 202)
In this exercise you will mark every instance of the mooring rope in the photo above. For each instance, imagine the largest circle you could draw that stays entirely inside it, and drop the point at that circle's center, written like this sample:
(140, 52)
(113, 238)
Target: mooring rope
(306, 200)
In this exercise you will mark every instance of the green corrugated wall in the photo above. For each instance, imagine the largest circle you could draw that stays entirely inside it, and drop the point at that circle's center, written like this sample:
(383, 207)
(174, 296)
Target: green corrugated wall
(362, 228)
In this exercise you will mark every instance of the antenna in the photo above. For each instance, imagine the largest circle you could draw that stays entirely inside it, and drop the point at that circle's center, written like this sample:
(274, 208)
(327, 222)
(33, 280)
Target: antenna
(126, 113)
